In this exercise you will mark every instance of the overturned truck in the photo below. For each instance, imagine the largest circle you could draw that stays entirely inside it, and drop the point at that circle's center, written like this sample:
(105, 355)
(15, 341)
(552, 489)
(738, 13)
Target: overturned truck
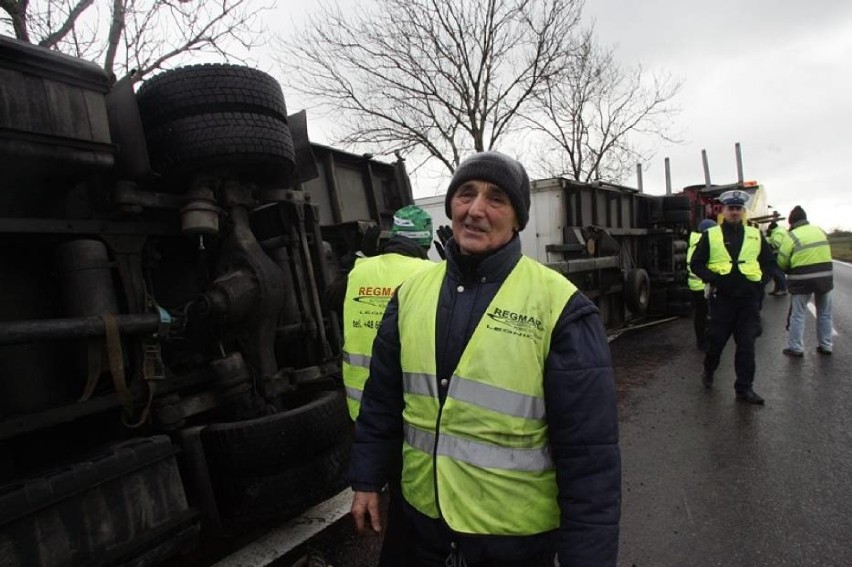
(168, 371)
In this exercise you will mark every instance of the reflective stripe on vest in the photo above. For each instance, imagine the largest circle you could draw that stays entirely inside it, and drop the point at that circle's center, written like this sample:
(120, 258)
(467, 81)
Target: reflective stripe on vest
(370, 285)
(482, 460)
(720, 261)
(694, 282)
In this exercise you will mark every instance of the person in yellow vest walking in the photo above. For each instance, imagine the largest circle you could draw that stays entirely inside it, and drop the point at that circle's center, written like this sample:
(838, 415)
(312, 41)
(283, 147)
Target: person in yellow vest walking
(777, 235)
(735, 260)
(491, 374)
(806, 257)
(361, 297)
(696, 288)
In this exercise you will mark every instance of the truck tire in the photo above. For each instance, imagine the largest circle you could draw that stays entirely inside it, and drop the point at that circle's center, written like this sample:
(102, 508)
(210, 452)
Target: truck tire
(277, 440)
(637, 291)
(209, 89)
(286, 492)
(257, 147)
(675, 203)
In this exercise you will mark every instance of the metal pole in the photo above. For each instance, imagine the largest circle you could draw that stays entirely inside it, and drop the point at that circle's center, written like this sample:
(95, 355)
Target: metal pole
(639, 177)
(739, 162)
(706, 168)
(23, 332)
(668, 177)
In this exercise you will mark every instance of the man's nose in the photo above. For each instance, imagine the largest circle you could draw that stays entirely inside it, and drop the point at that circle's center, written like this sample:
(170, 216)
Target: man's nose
(477, 206)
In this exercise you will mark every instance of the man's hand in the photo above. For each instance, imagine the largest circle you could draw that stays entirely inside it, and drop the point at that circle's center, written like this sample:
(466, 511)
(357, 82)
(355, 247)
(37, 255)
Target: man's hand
(365, 511)
(444, 233)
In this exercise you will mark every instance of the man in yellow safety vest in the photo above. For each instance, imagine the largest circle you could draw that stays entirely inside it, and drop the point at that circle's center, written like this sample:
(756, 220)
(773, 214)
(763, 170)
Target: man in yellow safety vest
(491, 374)
(806, 257)
(734, 259)
(368, 287)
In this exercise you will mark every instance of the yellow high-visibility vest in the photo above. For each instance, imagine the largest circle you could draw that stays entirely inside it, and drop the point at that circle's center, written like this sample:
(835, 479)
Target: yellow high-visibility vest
(369, 288)
(720, 261)
(695, 283)
(806, 245)
(482, 460)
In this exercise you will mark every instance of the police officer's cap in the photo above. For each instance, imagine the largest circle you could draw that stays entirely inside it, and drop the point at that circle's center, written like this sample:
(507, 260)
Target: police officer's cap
(735, 197)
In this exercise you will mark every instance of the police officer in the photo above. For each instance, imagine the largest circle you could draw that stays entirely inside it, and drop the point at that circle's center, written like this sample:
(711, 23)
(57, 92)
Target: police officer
(368, 288)
(696, 288)
(777, 235)
(806, 256)
(492, 374)
(733, 258)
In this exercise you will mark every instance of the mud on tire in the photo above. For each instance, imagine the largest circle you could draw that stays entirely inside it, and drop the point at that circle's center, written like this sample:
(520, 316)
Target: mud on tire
(277, 440)
(286, 492)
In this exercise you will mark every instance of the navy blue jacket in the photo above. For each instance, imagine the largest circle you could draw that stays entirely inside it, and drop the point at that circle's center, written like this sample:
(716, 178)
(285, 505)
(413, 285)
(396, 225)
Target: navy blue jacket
(580, 403)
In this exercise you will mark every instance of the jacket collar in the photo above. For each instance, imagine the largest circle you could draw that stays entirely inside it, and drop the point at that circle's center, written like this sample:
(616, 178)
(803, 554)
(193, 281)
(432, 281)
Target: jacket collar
(493, 267)
(797, 224)
(405, 247)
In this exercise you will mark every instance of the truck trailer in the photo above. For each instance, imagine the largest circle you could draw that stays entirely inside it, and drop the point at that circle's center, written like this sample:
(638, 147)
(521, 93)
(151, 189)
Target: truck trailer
(169, 374)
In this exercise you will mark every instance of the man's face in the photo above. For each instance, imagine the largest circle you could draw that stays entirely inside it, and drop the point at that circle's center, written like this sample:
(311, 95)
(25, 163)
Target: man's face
(733, 213)
(483, 217)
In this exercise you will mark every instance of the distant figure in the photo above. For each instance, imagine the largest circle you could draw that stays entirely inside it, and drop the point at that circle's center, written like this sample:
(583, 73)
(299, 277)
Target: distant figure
(777, 235)
(806, 257)
(491, 373)
(733, 259)
(696, 288)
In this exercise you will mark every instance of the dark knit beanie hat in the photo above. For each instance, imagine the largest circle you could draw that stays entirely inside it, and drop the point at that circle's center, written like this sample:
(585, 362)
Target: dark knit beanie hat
(796, 215)
(501, 170)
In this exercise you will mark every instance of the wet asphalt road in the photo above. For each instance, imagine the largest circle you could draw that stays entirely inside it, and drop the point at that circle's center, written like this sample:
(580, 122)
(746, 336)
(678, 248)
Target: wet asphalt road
(709, 481)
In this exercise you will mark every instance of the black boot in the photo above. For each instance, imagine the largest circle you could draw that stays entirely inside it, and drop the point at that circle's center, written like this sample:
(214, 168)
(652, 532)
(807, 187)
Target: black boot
(750, 397)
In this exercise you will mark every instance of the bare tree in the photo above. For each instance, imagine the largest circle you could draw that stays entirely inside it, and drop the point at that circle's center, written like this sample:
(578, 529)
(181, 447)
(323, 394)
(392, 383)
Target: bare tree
(588, 115)
(431, 78)
(141, 35)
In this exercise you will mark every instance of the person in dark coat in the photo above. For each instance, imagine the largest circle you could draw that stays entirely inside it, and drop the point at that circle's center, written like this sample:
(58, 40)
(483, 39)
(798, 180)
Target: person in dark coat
(736, 261)
(505, 462)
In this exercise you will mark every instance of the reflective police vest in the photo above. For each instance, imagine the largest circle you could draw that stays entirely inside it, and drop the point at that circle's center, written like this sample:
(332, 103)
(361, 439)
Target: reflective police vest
(806, 255)
(694, 282)
(482, 460)
(369, 288)
(720, 261)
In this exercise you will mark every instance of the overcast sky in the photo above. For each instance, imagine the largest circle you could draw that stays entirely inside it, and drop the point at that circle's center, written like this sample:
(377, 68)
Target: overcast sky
(774, 75)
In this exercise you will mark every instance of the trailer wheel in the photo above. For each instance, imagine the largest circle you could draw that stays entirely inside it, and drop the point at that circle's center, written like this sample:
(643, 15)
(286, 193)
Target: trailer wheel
(256, 147)
(279, 439)
(286, 492)
(637, 291)
(209, 89)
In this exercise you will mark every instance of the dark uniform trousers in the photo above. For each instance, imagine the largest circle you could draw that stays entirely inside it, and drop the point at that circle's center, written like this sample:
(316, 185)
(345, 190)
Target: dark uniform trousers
(738, 316)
